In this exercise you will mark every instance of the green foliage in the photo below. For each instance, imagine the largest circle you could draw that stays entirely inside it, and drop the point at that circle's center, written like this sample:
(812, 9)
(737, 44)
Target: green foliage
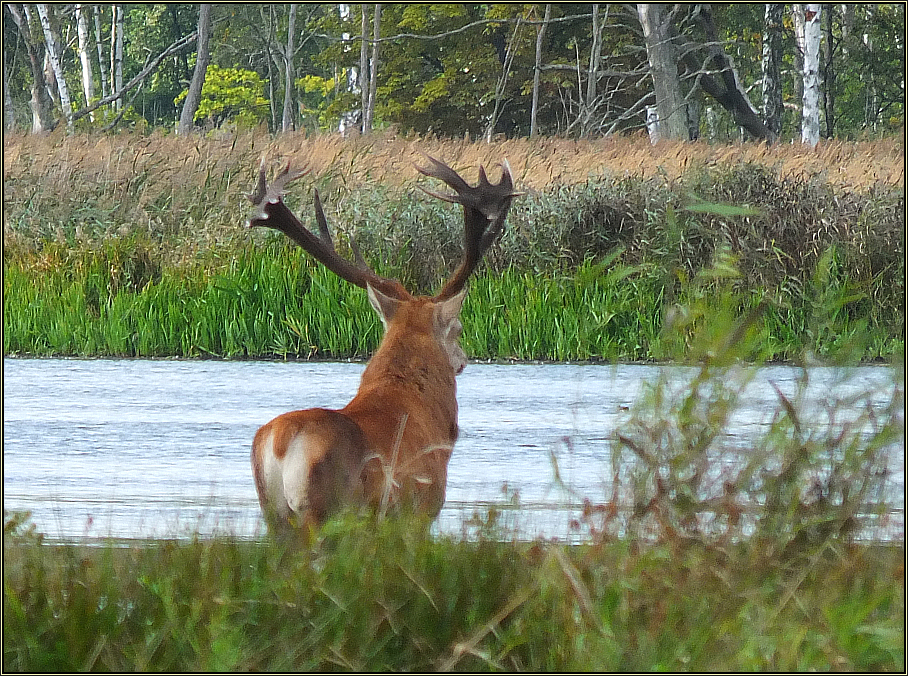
(231, 94)
(441, 77)
(387, 597)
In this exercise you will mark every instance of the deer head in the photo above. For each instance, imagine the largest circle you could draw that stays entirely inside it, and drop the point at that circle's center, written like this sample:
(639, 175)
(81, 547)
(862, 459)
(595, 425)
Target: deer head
(485, 208)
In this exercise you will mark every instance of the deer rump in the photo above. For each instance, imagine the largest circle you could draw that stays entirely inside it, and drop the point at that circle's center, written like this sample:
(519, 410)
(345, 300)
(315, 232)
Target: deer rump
(390, 446)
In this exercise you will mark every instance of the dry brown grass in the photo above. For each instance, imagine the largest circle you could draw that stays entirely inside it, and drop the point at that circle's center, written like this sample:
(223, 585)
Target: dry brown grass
(180, 163)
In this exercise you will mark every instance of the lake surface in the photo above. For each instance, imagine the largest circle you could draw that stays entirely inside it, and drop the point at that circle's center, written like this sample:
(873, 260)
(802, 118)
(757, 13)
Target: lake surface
(159, 448)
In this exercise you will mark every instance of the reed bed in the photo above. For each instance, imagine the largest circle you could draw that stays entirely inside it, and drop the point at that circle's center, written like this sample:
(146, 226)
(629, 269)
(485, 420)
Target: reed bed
(133, 245)
(386, 158)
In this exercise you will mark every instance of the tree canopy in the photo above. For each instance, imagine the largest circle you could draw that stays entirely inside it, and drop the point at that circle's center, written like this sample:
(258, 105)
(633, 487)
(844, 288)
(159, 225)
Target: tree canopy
(452, 69)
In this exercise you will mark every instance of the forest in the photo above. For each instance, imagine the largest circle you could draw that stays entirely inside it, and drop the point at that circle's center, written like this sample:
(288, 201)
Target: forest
(723, 72)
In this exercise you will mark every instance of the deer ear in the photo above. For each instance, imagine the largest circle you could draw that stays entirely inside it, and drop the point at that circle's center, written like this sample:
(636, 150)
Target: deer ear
(447, 311)
(385, 306)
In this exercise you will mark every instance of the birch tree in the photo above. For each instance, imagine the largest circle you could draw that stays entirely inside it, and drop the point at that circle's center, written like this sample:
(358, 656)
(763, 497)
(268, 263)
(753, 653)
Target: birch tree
(100, 49)
(810, 111)
(117, 25)
(88, 84)
(369, 112)
(203, 57)
(54, 52)
(363, 64)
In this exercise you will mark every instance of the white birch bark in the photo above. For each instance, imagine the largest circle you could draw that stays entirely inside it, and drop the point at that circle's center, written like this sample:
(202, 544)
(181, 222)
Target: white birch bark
(373, 70)
(105, 90)
(116, 52)
(363, 65)
(810, 112)
(54, 50)
(88, 84)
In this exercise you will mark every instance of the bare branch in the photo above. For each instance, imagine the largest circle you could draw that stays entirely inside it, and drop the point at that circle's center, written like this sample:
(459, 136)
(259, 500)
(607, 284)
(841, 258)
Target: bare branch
(439, 36)
(145, 72)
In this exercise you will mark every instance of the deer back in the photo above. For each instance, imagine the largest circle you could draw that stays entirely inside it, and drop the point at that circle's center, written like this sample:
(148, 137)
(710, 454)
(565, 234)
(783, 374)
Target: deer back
(406, 405)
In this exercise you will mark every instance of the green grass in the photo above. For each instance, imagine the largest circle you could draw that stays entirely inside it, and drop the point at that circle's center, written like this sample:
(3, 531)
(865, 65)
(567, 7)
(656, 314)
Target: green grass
(389, 598)
(244, 300)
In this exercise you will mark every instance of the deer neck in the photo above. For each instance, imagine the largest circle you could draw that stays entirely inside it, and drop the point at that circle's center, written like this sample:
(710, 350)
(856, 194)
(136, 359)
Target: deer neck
(417, 364)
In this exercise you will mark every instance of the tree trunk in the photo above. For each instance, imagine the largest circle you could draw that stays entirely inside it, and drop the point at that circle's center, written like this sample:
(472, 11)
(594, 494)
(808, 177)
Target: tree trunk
(287, 121)
(589, 102)
(724, 86)
(540, 32)
(771, 67)
(810, 114)
(670, 104)
(88, 84)
(797, 18)
(9, 113)
(116, 52)
(54, 51)
(99, 47)
(40, 103)
(194, 95)
(362, 76)
(373, 70)
(348, 120)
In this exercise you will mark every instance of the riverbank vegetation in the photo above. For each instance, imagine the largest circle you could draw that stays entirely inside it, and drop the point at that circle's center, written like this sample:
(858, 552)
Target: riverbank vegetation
(385, 598)
(787, 555)
(132, 245)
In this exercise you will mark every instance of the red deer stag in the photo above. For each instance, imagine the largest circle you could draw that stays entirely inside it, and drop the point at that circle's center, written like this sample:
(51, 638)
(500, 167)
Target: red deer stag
(391, 444)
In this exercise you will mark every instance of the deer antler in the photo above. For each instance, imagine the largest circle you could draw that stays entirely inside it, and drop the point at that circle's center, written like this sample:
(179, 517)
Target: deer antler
(271, 212)
(485, 208)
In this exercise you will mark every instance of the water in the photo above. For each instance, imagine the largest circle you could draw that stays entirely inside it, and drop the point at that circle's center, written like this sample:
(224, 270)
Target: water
(155, 449)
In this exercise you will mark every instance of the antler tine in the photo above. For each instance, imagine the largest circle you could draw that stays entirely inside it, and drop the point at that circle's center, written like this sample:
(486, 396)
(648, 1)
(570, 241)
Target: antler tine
(445, 173)
(271, 212)
(323, 229)
(264, 195)
(485, 208)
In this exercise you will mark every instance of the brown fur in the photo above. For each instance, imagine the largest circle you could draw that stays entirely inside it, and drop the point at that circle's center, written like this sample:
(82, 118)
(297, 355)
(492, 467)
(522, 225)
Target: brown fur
(391, 444)
(389, 447)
